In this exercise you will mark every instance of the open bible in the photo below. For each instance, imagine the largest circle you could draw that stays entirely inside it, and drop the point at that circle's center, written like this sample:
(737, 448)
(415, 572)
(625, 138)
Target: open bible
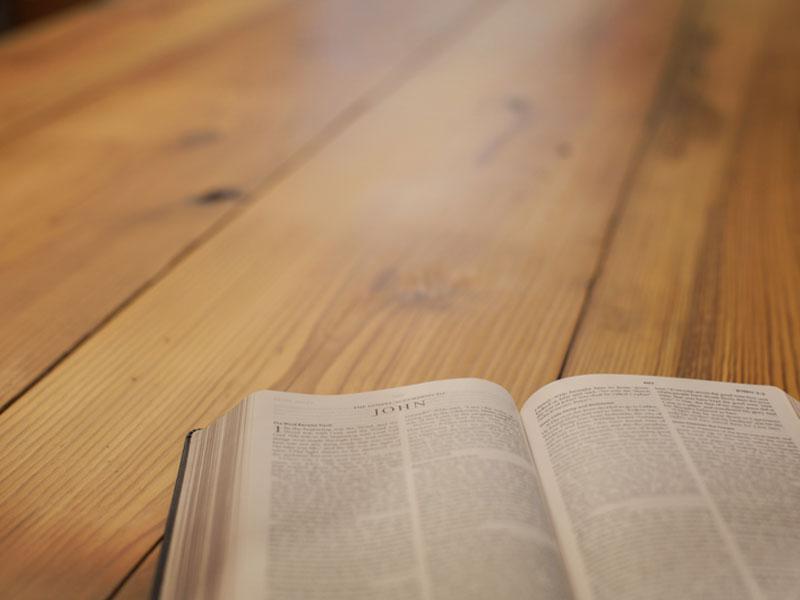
(603, 487)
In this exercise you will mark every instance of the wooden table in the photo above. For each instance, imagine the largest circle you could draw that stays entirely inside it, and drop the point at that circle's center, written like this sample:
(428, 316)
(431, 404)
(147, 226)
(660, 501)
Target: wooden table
(199, 199)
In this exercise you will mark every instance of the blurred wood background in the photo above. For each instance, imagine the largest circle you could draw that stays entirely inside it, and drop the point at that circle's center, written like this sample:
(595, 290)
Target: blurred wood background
(202, 198)
(16, 13)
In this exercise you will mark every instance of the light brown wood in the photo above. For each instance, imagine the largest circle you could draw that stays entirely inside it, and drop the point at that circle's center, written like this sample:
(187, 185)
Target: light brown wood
(451, 230)
(139, 585)
(52, 67)
(98, 203)
(703, 277)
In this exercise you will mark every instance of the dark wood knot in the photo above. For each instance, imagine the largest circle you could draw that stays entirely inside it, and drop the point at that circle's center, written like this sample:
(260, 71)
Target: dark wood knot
(218, 194)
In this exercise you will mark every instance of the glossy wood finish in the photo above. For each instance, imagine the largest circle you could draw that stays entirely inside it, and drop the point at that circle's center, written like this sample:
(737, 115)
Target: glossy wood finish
(110, 191)
(702, 278)
(321, 196)
(57, 65)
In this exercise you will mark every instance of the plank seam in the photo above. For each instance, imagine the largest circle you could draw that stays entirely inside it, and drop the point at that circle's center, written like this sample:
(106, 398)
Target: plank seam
(118, 588)
(696, 332)
(649, 126)
(101, 89)
(393, 80)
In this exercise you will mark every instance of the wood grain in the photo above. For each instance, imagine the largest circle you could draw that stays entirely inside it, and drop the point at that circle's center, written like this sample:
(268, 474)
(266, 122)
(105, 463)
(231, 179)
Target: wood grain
(139, 586)
(449, 231)
(53, 67)
(703, 278)
(98, 203)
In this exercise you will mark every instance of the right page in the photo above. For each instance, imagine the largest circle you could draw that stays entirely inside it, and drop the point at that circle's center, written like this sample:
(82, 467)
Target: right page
(671, 488)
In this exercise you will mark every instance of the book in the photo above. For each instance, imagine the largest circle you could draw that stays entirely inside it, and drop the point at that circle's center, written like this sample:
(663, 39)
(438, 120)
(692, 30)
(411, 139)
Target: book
(601, 487)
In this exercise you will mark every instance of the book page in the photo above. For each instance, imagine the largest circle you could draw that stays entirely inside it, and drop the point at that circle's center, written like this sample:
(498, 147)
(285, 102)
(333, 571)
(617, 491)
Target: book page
(421, 492)
(203, 541)
(671, 488)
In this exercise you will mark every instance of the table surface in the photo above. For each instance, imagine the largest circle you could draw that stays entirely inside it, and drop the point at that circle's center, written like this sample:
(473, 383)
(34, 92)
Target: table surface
(203, 198)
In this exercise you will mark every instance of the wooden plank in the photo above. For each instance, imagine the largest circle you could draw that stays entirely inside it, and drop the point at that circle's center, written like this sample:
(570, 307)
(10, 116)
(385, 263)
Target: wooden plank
(703, 278)
(47, 68)
(140, 584)
(137, 177)
(450, 231)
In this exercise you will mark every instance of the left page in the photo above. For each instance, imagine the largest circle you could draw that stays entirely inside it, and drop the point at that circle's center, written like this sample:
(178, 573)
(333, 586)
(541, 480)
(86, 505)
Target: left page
(422, 492)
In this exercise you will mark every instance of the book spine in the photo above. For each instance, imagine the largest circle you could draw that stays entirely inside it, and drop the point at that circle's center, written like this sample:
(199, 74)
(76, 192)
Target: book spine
(173, 509)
